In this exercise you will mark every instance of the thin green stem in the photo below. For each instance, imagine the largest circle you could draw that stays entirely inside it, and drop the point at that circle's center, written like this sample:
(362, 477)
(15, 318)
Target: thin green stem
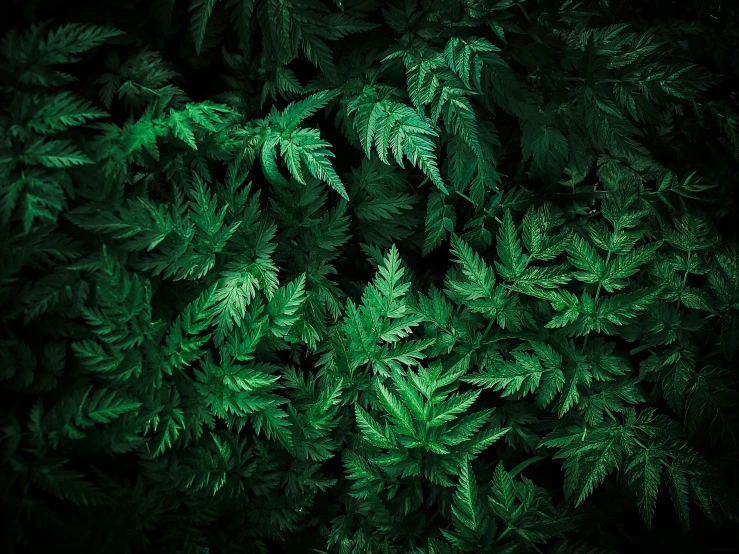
(597, 294)
(687, 270)
(463, 195)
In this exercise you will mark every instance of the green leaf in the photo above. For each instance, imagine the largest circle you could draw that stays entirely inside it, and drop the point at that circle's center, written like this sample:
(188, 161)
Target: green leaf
(440, 221)
(387, 124)
(643, 471)
(456, 404)
(512, 262)
(480, 279)
(305, 146)
(465, 57)
(284, 306)
(371, 429)
(546, 146)
(400, 415)
(199, 22)
(504, 492)
(464, 507)
(584, 257)
(64, 42)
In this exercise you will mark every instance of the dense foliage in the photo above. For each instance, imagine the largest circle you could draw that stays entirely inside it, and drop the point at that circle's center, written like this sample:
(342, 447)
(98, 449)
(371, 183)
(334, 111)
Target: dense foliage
(351, 276)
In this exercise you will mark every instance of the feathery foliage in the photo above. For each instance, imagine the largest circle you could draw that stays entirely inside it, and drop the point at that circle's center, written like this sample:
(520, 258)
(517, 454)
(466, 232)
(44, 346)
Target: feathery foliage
(368, 277)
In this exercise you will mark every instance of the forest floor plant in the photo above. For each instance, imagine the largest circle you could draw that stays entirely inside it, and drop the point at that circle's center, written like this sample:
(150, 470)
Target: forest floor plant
(364, 277)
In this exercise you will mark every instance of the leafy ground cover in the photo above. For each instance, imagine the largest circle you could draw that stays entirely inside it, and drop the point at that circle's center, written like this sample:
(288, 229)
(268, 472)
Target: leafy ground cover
(350, 276)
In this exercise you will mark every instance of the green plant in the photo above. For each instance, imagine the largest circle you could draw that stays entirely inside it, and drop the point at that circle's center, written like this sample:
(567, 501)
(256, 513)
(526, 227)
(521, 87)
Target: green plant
(416, 276)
